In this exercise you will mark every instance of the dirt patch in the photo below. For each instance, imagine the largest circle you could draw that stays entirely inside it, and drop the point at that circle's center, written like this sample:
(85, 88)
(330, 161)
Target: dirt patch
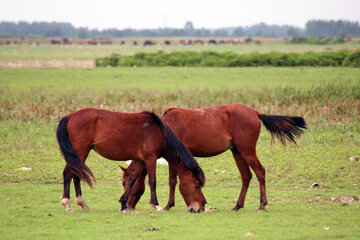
(344, 199)
(48, 63)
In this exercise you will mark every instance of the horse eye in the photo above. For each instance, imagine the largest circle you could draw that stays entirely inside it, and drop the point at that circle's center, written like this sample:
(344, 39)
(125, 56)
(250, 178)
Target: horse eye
(196, 186)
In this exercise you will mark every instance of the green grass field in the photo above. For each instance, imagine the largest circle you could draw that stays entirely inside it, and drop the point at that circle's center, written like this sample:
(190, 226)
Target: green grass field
(84, 52)
(172, 78)
(32, 100)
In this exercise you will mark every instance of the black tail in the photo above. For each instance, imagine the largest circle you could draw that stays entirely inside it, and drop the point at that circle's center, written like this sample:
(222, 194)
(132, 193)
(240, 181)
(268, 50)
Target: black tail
(73, 162)
(182, 153)
(283, 127)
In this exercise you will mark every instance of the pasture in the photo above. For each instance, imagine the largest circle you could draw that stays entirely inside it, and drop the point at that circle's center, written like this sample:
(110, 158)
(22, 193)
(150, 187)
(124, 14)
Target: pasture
(86, 52)
(32, 100)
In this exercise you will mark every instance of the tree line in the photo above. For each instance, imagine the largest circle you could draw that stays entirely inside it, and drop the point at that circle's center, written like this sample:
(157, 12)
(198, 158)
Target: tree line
(316, 28)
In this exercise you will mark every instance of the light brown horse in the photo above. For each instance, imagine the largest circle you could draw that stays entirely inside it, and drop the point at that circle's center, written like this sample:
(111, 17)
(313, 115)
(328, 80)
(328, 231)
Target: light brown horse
(210, 131)
(142, 137)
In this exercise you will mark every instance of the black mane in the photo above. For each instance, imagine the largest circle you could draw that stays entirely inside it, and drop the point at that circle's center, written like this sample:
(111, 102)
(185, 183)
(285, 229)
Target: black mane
(177, 147)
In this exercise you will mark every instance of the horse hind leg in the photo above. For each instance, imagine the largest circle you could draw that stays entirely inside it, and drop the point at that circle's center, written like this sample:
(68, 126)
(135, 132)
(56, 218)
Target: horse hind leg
(65, 201)
(259, 170)
(79, 199)
(83, 153)
(245, 177)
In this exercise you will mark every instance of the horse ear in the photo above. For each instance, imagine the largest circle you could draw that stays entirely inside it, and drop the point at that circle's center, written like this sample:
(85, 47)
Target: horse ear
(124, 169)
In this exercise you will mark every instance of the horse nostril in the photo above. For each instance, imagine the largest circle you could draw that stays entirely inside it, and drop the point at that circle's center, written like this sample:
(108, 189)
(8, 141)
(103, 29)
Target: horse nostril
(198, 210)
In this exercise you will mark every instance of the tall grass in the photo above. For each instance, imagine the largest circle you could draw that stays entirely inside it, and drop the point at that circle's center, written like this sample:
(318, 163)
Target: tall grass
(320, 104)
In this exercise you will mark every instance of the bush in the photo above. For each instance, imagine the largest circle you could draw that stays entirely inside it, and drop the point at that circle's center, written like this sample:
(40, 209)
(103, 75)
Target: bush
(248, 40)
(352, 59)
(228, 59)
(298, 40)
(339, 39)
(315, 40)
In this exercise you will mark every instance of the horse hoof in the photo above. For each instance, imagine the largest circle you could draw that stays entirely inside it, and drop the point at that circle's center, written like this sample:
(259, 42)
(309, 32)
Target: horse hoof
(70, 210)
(168, 206)
(124, 211)
(87, 209)
(236, 208)
(84, 206)
(66, 203)
(260, 210)
(159, 209)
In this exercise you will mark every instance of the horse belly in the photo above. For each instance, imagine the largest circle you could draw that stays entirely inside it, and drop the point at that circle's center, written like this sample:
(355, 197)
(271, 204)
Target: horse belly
(122, 149)
(115, 153)
(208, 146)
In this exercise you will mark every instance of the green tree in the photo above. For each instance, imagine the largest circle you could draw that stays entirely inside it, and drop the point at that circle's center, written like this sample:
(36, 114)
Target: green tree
(238, 32)
(189, 28)
(83, 33)
(221, 33)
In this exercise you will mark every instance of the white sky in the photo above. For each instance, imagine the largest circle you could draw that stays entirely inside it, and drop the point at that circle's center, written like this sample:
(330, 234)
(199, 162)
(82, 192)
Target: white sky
(142, 14)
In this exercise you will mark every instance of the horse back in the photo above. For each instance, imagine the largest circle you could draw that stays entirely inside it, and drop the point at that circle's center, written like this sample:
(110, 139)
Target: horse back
(115, 135)
(211, 131)
(205, 132)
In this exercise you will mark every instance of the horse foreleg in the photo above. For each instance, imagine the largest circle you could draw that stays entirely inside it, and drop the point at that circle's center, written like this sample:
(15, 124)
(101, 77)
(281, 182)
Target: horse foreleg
(79, 199)
(245, 177)
(136, 191)
(124, 198)
(151, 168)
(65, 201)
(172, 185)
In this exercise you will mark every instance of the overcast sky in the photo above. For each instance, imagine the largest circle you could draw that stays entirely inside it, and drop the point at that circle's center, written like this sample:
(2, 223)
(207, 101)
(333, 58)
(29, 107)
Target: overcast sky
(142, 14)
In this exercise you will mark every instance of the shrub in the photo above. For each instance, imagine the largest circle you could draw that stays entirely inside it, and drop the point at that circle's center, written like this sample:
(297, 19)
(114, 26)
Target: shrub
(228, 59)
(315, 40)
(352, 59)
(339, 39)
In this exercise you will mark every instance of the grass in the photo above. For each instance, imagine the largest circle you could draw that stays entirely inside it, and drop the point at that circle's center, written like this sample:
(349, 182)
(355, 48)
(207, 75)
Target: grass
(322, 148)
(31, 209)
(84, 52)
(171, 78)
(292, 214)
(32, 100)
(325, 94)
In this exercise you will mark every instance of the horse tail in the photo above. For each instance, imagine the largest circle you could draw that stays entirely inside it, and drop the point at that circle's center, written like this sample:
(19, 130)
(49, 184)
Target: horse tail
(182, 153)
(283, 127)
(73, 162)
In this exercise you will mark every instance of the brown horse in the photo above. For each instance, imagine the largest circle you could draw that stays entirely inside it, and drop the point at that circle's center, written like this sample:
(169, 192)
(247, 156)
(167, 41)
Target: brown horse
(122, 136)
(210, 131)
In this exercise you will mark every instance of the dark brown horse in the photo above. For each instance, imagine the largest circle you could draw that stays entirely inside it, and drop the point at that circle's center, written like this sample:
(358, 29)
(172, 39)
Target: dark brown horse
(122, 136)
(210, 131)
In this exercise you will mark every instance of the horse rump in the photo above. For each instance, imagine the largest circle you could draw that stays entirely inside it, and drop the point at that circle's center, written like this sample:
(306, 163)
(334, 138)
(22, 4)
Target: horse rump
(73, 162)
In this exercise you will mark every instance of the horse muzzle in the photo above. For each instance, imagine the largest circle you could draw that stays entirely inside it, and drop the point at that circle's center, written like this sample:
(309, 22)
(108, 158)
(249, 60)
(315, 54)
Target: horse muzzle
(195, 208)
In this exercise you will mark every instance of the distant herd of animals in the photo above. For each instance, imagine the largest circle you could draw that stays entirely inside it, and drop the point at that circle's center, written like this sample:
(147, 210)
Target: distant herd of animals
(94, 42)
(178, 135)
